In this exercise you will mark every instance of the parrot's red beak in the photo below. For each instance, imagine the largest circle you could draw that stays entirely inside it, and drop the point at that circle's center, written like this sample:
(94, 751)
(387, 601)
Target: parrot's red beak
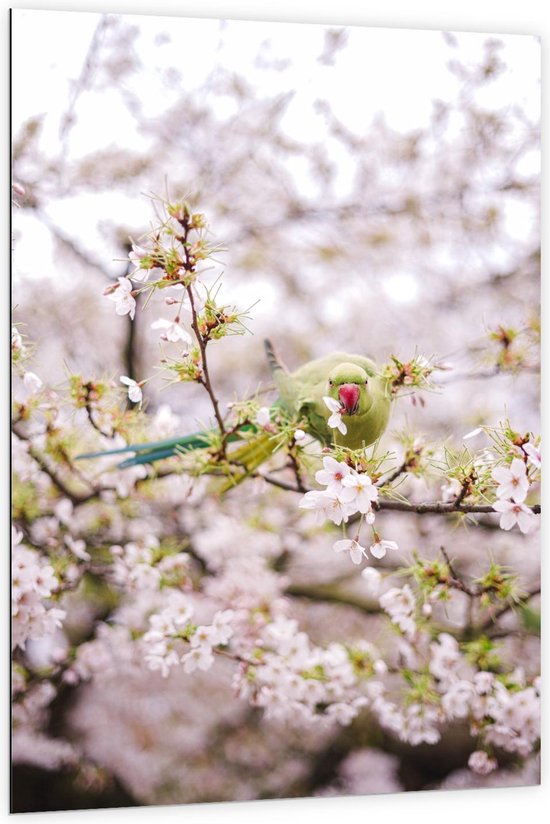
(348, 395)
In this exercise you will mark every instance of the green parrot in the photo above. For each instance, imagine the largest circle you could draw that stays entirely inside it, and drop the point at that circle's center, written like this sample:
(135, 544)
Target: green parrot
(342, 389)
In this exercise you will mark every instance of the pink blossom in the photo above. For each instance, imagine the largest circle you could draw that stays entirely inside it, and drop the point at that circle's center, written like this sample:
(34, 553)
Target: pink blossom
(134, 389)
(379, 547)
(332, 474)
(515, 513)
(533, 454)
(480, 763)
(356, 551)
(173, 332)
(335, 421)
(513, 481)
(121, 294)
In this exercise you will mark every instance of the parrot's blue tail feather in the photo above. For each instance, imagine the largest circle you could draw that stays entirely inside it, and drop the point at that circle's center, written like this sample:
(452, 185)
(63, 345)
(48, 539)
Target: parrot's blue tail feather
(154, 451)
(157, 450)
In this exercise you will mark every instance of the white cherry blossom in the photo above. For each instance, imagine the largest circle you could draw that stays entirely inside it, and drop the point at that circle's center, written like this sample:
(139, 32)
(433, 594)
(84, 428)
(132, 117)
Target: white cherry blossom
(121, 294)
(32, 382)
(533, 454)
(197, 658)
(515, 513)
(264, 416)
(480, 763)
(134, 389)
(364, 492)
(335, 421)
(327, 504)
(356, 551)
(379, 547)
(332, 474)
(372, 578)
(512, 481)
(172, 331)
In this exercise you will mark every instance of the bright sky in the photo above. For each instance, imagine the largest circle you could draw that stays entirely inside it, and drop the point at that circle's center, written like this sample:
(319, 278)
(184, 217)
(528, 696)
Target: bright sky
(399, 72)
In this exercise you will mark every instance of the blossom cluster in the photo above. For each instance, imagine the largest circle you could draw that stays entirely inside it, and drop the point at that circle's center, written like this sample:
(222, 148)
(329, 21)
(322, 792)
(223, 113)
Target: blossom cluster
(32, 582)
(141, 565)
(503, 711)
(348, 492)
(169, 261)
(290, 677)
(513, 486)
(165, 643)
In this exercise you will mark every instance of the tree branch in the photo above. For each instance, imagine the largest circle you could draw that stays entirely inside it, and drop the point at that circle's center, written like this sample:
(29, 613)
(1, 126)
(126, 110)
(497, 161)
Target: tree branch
(491, 621)
(432, 507)
(328, 593)
(53, 475)
(442, 508)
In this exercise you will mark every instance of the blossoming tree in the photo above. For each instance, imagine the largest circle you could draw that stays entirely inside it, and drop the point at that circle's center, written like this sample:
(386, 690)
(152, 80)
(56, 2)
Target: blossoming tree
(335, 610)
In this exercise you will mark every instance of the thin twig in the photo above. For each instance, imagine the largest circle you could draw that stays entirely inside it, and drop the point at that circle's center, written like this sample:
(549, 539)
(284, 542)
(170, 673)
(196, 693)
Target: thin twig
(491, 621)
(462, 494)
(53, 475)
(456, 581)
(395, 474)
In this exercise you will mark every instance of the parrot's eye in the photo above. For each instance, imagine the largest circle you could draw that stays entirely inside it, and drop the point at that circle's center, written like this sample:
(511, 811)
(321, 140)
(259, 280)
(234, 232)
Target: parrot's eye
(330, 383)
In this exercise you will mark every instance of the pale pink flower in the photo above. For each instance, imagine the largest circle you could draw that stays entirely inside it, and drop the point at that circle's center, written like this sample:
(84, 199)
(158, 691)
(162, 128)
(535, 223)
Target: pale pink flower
(533, 454)
(16, 340)
(197, 658)
(77, 547)
(121, 294)
(335, 421)
(332, 474)
(205, 636)
(512, 481)
(138, 253)
(173, 332)
(450, 490)
(263, 417)
(326, 504)
(480, 763)
(364, 492)
(45, 581)
(398, 601)
(356, 551)
(134, 389)
(372, 578)
(379, 547)
(32, 382)
(515, 513)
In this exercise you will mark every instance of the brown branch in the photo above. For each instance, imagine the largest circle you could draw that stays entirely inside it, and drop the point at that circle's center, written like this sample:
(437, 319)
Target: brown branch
(327, 593)
(462, 494)
(441, 508)
(205, 379)
(278, 483)
(296, 469)
(395, 474)
(53, 475)
(433, 507)
(456, 581)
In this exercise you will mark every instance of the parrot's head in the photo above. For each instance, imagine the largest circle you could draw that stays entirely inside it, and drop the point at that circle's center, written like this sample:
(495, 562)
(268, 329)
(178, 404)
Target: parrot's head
(349, 385)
